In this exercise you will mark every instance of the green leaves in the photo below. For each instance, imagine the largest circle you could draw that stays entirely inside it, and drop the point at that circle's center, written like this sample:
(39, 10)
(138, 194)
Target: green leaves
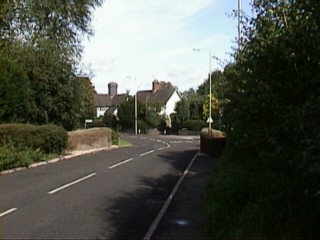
(43, 40)
(271, 117)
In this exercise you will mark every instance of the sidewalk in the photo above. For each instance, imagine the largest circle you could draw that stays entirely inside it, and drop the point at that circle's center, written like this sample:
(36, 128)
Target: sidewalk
(184, 218)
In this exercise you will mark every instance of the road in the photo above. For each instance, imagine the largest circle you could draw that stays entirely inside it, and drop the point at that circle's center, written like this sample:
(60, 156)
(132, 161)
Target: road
(116, 193)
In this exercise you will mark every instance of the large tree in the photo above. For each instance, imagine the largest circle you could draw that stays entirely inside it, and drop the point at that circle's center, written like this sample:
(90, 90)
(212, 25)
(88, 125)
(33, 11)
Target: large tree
(267, 185)
(44, 39)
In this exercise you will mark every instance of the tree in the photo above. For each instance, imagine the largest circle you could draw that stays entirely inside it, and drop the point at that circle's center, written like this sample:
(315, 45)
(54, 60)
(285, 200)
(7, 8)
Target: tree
(214, 109)
(126, 114)
(267, 185)
(14, 92)
(44, 38)
(182, 109)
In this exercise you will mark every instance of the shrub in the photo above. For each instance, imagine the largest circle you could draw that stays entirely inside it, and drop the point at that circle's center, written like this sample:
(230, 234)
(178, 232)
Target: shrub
(47, 138)
(13, 156)
(115, 138)
(96, 124)
(194, 125)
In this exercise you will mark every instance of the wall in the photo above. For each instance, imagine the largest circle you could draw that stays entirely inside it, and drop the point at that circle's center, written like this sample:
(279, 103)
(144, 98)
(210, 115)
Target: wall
(89, 139)
(212, 143)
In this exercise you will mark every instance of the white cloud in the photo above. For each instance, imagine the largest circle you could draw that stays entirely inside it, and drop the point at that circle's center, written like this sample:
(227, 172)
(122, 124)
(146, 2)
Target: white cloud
(146, 38)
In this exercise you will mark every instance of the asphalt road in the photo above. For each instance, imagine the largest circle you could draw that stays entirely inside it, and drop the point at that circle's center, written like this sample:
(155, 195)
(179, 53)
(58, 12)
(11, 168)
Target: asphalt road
(115, 193)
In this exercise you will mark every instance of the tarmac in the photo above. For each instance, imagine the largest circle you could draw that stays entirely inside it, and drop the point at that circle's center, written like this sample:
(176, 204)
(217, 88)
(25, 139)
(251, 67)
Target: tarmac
(185, 216)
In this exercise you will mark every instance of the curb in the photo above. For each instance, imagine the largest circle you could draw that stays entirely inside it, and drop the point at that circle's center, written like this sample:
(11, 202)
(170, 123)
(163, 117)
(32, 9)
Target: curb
(61, 158)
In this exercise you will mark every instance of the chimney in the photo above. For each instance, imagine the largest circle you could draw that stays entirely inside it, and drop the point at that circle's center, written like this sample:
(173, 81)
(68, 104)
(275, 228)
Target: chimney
(155, 86)
(113, 88)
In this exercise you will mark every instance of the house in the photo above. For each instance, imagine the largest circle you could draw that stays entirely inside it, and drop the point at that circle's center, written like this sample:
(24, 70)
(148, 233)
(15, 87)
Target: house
(167, 97)
(109, 103)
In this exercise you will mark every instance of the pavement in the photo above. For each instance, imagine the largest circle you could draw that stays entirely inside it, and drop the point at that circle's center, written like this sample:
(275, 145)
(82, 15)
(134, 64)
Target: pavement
(184, 218)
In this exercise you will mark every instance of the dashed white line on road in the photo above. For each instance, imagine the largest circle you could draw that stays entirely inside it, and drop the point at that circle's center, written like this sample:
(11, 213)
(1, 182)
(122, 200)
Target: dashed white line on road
(8, 211)
(120, 163)
(71, 183)
(145, 153)
(161, 148)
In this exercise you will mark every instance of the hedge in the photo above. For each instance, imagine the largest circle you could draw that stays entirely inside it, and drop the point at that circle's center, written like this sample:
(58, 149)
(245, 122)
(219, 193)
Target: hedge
(48, 138)
(194, 125)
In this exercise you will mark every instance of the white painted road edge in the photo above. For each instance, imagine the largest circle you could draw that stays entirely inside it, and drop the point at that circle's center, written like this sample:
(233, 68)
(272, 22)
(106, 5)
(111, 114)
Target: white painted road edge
(72, 183)
(167, 203)
(8, 211)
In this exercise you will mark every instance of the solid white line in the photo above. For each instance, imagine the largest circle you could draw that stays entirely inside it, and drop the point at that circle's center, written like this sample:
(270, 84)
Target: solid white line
(72, 183)
(120, 163)
(145, 153)
(167, 203)
(8, 211)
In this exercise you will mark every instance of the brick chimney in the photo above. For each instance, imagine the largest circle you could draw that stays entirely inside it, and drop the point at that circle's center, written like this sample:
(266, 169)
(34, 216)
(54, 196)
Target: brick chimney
(155, 86)
(113, 88)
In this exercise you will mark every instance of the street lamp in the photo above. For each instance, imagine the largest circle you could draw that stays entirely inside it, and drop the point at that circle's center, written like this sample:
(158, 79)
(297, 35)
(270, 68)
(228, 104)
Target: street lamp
(210, 56)
(135, 110)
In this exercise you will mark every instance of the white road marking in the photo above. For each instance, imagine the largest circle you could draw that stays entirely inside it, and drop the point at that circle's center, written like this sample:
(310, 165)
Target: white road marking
(120, 163)
(161, 148)
(8, 211)
(167, 203)
(145, 153)
(72, 183)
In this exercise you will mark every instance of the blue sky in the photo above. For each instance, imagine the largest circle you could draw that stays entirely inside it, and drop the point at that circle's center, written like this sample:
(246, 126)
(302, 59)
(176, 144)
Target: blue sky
(149, 39)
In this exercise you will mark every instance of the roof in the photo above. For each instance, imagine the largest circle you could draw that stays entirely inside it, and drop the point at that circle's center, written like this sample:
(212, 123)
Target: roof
(161, 96)
(106, 100)
(118, 99)
(102, 100)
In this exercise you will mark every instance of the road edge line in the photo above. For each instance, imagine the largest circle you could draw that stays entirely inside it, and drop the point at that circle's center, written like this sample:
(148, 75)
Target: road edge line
(167, 203)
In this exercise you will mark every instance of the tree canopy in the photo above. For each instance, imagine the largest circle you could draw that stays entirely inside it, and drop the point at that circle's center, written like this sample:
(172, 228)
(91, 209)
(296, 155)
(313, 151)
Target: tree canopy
(42, 39)
(267, 185)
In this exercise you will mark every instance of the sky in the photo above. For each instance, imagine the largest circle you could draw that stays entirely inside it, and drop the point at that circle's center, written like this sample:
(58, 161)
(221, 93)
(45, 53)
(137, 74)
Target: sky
(154, 39)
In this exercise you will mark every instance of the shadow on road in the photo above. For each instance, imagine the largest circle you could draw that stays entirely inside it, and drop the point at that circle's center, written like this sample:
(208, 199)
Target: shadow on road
(131, 215)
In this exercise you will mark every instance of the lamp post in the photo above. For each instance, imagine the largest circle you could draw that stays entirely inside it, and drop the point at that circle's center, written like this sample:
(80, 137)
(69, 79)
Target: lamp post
(210, 56)
(135, 110)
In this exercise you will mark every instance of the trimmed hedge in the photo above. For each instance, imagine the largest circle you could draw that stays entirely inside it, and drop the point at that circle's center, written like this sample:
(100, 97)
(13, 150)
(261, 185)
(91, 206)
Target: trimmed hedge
(48, 138)
(194, 125)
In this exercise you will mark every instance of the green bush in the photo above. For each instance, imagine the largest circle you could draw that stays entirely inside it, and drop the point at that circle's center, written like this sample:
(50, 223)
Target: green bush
(143, 126)
(96, 124)
(13, 156)
(48, 138)
(194, 125)
(115, 138)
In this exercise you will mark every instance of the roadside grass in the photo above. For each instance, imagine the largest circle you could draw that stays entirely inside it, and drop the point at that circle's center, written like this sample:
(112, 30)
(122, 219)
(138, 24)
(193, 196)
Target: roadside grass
(123, 143)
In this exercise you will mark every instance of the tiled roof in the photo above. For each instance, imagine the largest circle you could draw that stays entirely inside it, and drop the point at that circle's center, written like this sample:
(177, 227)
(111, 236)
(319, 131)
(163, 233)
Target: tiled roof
(160, 96)
(118, 99)
(105, 100)
(102, 100)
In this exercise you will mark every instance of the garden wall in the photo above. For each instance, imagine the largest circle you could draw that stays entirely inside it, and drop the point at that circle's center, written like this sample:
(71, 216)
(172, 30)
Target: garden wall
(89, 139)
(212, 143)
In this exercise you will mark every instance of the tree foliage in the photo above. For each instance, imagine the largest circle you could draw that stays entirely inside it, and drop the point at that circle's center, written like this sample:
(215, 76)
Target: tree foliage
(267, 185)
(43, 39)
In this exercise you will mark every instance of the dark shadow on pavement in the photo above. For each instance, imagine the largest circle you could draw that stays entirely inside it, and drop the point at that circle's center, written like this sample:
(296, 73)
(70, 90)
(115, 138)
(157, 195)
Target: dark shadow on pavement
(131, 215)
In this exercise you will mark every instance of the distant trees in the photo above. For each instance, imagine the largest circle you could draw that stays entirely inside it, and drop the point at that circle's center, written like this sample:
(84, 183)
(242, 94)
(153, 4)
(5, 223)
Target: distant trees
(41, 40)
